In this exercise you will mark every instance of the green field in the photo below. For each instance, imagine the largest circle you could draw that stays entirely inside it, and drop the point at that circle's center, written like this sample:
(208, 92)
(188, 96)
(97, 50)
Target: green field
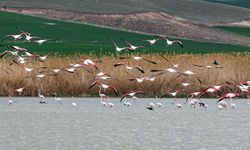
(245, 31)
(240, 3)
(73, 38)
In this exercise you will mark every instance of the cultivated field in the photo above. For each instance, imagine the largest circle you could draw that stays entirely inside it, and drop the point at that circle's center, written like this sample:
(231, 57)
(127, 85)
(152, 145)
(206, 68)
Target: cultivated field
(235, 68)
(245, 31)
(71, 38)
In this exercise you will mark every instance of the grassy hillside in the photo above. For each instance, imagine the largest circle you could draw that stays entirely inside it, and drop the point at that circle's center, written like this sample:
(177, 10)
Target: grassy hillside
(245, 31)
(204, 11)
(240, 3)
(78, 38)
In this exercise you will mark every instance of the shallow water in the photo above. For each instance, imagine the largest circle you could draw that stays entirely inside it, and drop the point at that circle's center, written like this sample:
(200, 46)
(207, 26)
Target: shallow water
(29, 125)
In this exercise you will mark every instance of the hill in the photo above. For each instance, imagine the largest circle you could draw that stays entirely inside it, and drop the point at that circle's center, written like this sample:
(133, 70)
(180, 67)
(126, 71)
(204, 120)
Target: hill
(240, 3)
(69, 38)
(145, 22)
(196, 10)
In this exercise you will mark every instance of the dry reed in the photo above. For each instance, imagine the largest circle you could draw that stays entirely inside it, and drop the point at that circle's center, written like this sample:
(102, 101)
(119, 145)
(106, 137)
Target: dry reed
(236, 67)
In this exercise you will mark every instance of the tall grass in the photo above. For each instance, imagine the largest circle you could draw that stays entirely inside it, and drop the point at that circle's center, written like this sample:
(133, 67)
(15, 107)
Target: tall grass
(236, 67)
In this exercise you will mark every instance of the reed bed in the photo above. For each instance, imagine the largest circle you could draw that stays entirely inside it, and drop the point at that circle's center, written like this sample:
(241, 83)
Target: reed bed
(236, 67)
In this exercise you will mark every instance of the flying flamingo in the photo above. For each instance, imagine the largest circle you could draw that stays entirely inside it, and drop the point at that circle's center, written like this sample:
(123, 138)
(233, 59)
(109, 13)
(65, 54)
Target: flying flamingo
(228, 95)
(128, 67)
(19, 90)
(138, 58)
(104, 86)
(119, 49)
(192, 94)
(40, 42)
(132, 93)
(208, 66)
(187, 74)
(152, 41)
(169, 42)
(174, 66)
(132, 47)
(16, 37)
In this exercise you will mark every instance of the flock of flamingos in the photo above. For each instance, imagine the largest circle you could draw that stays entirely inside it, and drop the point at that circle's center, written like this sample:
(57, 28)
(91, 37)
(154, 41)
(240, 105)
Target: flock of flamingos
(22, 56)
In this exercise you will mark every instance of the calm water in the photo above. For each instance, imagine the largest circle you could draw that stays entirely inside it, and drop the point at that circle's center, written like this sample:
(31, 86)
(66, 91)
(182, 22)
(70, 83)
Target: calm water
(29, 125)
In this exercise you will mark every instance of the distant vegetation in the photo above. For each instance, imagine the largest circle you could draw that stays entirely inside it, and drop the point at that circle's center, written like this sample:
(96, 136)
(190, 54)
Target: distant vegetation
(70, 38)
(241, 3)
(245, 31)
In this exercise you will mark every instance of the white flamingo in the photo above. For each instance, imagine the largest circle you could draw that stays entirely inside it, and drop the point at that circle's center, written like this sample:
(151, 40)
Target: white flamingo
(57, 99)
(40, 96)
(150, 106)
(73, 104)
(10, 101)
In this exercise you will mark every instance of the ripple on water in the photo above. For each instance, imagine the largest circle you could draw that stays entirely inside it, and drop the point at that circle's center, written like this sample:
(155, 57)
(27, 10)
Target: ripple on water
(29, 125)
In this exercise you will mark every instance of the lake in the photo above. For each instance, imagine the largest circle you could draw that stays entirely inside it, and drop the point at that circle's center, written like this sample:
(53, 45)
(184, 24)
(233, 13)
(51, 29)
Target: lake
(26, 124)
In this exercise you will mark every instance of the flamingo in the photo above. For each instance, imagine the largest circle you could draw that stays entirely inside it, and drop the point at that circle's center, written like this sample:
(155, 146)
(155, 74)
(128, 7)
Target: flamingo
(90, 62)
(152, 41)
(28, 37)
(104, 103)
(174, 66)
(10, 101)
(171, 70)
(57, 99)
(43, 58)
(192, 94)
(19, 90)
(102, 76)
(228, 95)
(140, 80)
(204, 105)
(128, 67)
(40, 42)
(208, 66)
(132, 93)
(138, 58)
(158, 104)
(17, 48)
(119, 49)
(16, 37)
(193, 103)
(178, 105)
(41, 97)
(126, 103)
(15, 53)
(73, 104)
(132, 47)
(187, 74)
(169, 42)
(111, 105)
(233, 105)
(150, 106)
(104, 86)
(222, 105)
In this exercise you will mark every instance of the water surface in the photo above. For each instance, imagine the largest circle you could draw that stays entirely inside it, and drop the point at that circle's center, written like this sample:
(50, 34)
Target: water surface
(29, 125)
